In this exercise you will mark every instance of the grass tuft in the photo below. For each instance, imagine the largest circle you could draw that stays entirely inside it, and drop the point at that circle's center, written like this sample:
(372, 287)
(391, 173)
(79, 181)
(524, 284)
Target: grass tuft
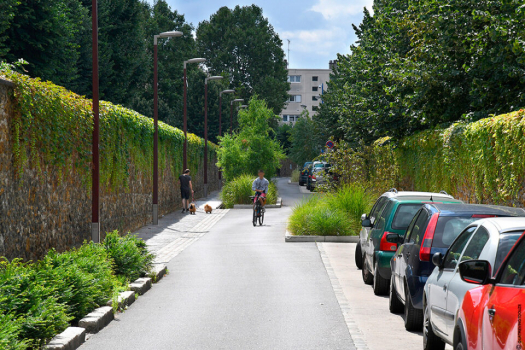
(239, 190)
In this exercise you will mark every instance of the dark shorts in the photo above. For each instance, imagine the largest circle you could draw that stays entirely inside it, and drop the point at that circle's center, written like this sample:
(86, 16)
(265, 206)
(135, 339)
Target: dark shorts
(185, 193)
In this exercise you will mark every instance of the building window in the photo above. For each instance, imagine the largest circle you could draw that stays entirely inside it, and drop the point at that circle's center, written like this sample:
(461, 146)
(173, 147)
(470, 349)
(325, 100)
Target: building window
(315, 108)
(291, 118)
(315, 98)
(295, 98)
(315, 78)
(294, 78)
(314, 88)
(285, 118)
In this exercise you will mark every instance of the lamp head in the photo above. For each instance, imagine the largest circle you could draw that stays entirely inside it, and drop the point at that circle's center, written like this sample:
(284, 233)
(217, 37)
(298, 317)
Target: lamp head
(237, 100)
(215, 77)
(194, 60)
(227, 92)
(171, 34)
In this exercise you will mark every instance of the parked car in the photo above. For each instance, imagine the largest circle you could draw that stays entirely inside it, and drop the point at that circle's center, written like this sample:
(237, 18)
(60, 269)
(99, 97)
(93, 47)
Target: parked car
(432, 230)
(311, 168)
(303, 176)
(490, 315)
(392, 213)
(486, 239)
(320, 176)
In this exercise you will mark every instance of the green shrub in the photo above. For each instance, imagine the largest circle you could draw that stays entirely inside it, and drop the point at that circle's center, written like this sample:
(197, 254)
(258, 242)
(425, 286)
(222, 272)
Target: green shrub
(10, 329)
(129, 254)
(354, 200)
(27, 296)
(83, 278)
(314, 217)
(295, 175)
(239, 190)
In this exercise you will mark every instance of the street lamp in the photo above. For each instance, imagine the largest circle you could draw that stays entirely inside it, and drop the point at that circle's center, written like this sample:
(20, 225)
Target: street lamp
(95, 175)
(231, 112)
(185, 157)
(216, 77)
(243, 106)
(156, 123)
(220, 108)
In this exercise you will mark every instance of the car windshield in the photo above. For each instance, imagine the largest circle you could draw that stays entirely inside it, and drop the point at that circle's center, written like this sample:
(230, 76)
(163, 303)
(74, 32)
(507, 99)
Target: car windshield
(448, 228)
(506, 242)
(404, 215)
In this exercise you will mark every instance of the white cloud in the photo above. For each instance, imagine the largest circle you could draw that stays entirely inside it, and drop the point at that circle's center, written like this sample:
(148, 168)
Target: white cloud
(331, 9)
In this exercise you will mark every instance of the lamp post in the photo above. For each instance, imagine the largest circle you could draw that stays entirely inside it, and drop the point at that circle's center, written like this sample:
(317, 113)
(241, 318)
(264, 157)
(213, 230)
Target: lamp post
(231, 113)
(220, 108)
(185, 157)
(95, 175)
(243, 106)
(216, 77)
(156, 123)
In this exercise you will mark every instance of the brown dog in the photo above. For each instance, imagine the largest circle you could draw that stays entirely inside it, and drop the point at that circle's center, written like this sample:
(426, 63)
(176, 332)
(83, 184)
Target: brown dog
(207, 209)
(193, 209)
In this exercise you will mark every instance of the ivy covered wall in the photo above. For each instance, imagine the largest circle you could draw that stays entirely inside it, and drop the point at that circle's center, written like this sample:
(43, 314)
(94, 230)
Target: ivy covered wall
(45, 167)
(480, 162)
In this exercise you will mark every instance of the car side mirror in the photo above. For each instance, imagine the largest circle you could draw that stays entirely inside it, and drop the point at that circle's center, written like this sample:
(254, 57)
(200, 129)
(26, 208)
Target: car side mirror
(393, 238)
(366, 223)
(363, 217)
(475, 271)
(437, 259)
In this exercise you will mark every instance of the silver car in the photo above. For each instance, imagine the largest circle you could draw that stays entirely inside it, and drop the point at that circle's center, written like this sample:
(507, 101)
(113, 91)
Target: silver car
(486, 239)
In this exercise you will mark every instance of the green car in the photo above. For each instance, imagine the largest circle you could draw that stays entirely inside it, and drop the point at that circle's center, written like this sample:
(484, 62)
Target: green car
(392, 213)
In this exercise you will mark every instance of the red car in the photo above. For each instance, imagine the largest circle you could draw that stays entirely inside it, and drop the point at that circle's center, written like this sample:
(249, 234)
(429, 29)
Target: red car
(491, 315)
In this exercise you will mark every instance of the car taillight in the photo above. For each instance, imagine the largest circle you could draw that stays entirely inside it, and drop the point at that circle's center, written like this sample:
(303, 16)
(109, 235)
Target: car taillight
(313, 177)
(426, 245)
(481, 216)
(310, 176)
(387, 246)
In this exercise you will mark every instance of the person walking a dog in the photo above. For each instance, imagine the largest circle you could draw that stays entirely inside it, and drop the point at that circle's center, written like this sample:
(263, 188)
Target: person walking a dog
(186, 189)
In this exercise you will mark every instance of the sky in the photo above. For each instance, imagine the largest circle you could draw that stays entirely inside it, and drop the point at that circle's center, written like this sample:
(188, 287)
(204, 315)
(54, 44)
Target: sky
(317, 29)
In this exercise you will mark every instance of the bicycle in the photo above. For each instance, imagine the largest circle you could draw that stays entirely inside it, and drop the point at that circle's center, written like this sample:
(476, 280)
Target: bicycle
(258, 212)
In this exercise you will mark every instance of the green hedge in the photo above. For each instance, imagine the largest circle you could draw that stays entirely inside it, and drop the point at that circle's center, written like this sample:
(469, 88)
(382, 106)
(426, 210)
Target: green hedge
(39, 300)
(481, 162)
(52, 127)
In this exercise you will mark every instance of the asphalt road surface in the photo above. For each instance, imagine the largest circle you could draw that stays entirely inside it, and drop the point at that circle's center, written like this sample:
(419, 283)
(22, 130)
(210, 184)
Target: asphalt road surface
(237, 287)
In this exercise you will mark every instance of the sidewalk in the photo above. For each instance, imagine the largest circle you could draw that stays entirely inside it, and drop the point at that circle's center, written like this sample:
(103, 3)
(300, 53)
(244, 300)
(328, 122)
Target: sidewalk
(176, 230)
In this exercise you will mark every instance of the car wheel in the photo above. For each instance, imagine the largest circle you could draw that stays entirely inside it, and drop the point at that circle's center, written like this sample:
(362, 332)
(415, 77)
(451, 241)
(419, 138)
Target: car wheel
(394, 304)
(413, 316)
(301, 183)
(381, 284)
(430, 340)
(358, 256)
(367, 277)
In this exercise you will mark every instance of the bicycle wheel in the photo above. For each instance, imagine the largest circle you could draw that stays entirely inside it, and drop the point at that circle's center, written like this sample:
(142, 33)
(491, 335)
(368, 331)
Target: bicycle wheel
(261, 217)
(255, 215)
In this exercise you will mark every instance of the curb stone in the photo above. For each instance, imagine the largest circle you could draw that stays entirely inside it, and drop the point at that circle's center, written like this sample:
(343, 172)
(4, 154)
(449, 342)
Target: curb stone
(70, 339)
(157, 272)
(278, 204)
(141, 285)
(98, 319)
(288, 237)
(124, 299)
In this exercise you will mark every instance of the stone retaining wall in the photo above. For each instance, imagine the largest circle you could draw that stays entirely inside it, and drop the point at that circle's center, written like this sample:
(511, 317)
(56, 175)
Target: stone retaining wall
(42, 210)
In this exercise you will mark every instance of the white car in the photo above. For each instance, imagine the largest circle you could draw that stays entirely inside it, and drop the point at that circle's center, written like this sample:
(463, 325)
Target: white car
(486, 239)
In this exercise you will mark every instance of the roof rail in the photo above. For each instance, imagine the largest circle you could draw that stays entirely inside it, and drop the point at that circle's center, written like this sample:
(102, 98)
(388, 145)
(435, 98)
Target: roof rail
(392, 190)
(444, 192)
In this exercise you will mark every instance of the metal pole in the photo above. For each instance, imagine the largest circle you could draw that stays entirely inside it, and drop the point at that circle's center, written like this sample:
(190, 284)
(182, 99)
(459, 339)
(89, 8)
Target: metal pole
(220, 114)
(155, 137)
(231, 118)
(185, 157)
(95, 187)
(206, 138)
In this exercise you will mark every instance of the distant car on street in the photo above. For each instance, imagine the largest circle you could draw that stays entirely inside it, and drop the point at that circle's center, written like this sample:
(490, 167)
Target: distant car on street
(392, 213)
(486, 239)
(316, 166)
(432, 230)
(303, 176)
(490, 315)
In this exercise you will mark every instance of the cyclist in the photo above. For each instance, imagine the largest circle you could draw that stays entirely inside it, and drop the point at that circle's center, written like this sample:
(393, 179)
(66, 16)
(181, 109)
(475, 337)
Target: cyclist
(260, 186)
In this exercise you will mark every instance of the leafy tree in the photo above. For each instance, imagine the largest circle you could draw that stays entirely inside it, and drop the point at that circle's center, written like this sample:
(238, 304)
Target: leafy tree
(241, 43)
(283, 135)
(252, 148)
(305, 142)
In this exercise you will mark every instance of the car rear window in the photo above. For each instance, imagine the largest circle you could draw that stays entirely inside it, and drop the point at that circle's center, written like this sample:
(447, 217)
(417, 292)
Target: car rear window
(506, 242)
(448, 228)
(404, 215)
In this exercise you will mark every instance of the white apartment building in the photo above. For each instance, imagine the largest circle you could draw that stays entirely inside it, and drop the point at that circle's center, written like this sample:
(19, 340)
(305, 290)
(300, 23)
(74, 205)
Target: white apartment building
(306, 88)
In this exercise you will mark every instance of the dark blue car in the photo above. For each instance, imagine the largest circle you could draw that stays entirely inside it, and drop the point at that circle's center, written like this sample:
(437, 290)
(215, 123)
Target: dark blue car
(432, 230)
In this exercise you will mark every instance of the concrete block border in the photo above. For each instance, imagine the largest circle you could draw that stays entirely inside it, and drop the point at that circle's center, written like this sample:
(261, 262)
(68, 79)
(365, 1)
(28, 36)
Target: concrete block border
(288, 237)
(278, 204)
(73, 337)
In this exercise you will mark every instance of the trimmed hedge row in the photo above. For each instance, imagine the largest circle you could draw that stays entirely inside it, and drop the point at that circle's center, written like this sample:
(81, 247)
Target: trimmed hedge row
(481, 162)
(39, 300)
